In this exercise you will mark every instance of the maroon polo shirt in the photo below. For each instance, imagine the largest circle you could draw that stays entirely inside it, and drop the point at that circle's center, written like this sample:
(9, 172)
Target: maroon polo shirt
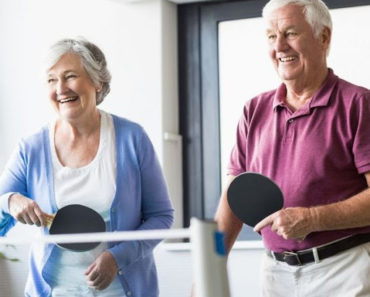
(317, 154)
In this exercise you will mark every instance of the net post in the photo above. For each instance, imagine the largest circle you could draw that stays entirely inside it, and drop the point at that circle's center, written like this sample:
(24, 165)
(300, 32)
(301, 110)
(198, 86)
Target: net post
(209, 259)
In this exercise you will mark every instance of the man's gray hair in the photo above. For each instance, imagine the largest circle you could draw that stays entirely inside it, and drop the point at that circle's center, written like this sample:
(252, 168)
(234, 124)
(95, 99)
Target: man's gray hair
(316, 12)
(92, 59)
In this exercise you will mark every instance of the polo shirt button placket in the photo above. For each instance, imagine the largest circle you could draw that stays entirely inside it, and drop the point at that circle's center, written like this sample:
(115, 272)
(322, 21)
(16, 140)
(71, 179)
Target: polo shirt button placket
(289, 129)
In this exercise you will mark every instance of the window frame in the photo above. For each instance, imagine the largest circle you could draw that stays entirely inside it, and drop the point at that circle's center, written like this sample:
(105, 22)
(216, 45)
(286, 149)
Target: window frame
(199, 96)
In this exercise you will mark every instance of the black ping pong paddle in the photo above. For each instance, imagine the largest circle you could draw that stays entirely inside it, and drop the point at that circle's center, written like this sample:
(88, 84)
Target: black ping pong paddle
(76, 218)
(253, 196)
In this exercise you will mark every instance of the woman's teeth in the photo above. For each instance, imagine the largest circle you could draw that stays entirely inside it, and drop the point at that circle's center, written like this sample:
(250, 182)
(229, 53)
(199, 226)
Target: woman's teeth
(68, 100)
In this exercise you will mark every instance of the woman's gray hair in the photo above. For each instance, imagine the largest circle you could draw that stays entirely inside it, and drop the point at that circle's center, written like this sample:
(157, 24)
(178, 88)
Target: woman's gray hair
(315, 11)
(92, 59)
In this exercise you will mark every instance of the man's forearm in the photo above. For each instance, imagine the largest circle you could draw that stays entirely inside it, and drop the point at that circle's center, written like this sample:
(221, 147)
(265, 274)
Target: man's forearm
(353, 212)
(226, 220)
(230, 225)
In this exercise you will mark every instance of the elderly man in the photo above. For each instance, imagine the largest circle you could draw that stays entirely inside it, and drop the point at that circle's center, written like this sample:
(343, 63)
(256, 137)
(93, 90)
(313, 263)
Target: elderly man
(312, 137)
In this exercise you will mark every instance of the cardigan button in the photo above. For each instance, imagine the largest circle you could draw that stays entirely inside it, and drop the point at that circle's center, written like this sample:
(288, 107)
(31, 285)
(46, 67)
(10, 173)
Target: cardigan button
(128, 293)
(120, 272)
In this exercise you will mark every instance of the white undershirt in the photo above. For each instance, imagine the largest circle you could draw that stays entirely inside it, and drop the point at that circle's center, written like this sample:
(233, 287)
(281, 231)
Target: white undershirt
(93, 185)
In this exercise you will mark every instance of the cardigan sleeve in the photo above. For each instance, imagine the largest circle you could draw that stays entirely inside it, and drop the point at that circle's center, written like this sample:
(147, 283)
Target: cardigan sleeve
(157, 211)
(12, 180)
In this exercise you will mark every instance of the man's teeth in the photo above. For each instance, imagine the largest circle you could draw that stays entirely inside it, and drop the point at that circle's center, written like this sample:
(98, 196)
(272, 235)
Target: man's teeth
(68, 99)
(286, 59)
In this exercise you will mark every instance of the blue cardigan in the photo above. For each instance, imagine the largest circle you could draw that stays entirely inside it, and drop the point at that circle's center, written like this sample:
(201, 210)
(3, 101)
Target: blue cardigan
(141, 202)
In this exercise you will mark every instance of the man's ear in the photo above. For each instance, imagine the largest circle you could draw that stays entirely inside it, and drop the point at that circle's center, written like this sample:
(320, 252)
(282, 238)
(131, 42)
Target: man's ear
(325, 37)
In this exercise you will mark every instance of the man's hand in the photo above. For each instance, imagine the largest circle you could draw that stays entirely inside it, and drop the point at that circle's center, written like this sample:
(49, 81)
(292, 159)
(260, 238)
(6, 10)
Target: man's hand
(102, 272)
(26, 211)
(290, 223)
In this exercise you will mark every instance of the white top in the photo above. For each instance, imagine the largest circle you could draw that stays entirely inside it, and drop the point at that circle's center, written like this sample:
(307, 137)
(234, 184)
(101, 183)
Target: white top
(93, 185)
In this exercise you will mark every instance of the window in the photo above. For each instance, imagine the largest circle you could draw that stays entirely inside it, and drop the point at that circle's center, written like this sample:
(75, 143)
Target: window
(206, 46)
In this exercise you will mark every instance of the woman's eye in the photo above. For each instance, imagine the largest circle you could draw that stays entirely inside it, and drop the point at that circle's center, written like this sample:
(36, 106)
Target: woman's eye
(70, 76)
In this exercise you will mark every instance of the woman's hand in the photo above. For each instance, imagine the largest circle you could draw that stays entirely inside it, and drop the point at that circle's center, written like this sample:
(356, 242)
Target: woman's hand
(102, 272)
(26, 211)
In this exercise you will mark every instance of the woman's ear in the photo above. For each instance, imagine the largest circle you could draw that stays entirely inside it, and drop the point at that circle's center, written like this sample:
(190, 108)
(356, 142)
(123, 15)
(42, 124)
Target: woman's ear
(99, 88)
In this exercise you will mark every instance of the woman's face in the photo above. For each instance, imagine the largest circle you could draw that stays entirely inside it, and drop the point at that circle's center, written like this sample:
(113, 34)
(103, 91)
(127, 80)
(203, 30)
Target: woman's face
(71, 91)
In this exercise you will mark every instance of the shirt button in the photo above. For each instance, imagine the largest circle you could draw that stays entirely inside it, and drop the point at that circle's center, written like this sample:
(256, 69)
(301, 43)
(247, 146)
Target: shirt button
(128, 293)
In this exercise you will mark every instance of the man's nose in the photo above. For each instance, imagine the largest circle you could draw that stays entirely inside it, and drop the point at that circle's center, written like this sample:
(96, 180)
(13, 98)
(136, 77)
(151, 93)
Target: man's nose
(281, 43)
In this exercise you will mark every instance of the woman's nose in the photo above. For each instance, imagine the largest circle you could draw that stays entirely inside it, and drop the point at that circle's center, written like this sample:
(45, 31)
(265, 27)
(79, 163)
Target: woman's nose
(61, 87)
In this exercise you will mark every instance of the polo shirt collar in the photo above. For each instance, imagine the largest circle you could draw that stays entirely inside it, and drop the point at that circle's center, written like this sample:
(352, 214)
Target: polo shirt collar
(279, 97)
(320, 98)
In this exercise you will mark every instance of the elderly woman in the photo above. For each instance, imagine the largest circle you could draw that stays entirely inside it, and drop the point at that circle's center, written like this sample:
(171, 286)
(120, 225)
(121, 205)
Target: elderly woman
(88, 157)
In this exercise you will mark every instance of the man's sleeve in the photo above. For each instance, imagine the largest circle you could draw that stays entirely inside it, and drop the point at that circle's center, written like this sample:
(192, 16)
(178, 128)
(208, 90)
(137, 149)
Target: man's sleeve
(361, 141)
(238, 154)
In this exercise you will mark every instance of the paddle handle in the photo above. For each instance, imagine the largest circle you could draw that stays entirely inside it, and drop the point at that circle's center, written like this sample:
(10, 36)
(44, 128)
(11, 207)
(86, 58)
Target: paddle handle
(49, 219)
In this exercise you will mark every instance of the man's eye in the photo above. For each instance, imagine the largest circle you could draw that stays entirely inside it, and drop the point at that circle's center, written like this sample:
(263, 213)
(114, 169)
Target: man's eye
(51, 80)
(69, 76)
(291, 34)
(271, 37)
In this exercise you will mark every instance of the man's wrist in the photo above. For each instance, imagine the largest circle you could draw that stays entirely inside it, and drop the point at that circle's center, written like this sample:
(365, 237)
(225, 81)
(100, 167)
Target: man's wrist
(316, 221)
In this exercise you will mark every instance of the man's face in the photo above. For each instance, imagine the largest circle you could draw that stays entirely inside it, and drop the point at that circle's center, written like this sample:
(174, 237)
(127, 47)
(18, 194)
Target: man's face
(296, 54)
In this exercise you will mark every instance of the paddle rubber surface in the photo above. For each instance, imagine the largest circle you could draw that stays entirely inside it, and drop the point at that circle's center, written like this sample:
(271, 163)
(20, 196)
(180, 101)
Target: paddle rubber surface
(77, 218)
(253, 196)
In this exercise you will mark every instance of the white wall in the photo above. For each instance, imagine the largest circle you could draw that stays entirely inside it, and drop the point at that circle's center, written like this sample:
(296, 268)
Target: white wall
(140, 42)
(129, 34)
